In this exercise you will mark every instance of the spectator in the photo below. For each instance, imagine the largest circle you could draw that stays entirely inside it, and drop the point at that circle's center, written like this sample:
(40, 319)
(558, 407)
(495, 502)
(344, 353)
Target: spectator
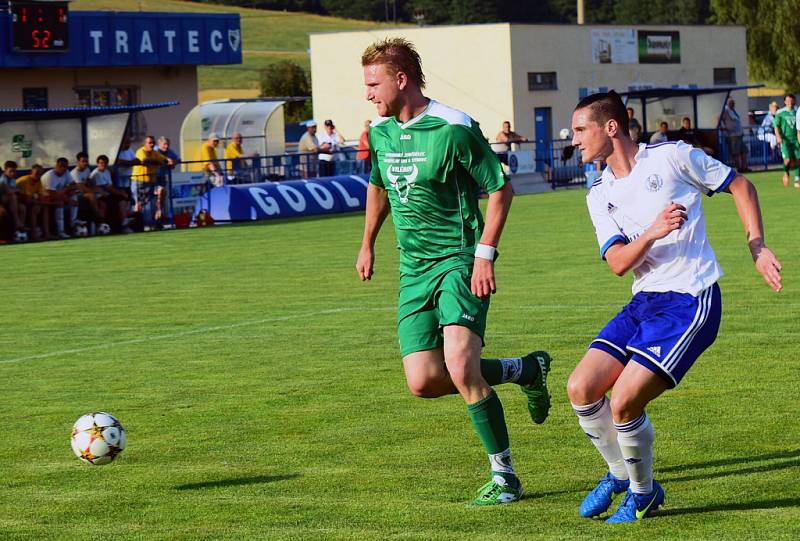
(8, 197)
(208, 153)
(82, 195)
(235, 158)
(330, 143)
(661, 135)
(507, 136)
(145, 175)
(689, 135)
(634, 128)
(164, 176)
(309, 145)
(29, 192)
(124, 163)
(56, 183)
(767, 130)
(363, 156)
(731, 125)
(112, 202)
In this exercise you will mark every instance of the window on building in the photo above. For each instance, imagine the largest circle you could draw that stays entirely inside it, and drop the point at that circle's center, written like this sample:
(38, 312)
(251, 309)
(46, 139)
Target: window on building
(545, 80)
(34, 98)
(724, 76)
(105, 96)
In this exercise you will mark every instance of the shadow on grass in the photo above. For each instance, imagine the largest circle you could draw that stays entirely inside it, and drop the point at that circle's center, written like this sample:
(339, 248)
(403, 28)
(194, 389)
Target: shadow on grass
(733, 506)
(726, 473)
(239, 481)
(733, 460)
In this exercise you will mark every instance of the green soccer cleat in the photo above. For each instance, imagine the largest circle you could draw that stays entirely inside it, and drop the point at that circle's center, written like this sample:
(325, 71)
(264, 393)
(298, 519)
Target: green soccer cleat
(538, 395)
(497, 491)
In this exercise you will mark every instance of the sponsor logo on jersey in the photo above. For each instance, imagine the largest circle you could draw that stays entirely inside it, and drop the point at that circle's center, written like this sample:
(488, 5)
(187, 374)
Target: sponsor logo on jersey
(612, 208)
(405, 137)
(654, 183)
(655, 350)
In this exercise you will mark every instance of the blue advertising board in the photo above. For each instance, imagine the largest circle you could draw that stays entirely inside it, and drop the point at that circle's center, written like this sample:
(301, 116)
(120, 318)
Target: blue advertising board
(98, 39)
(287, 199)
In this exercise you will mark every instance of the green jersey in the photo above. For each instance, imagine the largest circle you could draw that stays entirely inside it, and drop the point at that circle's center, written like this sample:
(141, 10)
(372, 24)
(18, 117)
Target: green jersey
(786, 124)
(432, 168)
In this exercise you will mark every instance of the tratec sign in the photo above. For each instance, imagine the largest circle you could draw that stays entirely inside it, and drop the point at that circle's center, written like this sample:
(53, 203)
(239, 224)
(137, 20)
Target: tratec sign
(130, 39)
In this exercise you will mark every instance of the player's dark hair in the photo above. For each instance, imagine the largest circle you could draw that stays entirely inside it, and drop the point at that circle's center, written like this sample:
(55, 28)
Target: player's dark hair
(397, 54)
(102, 158)
(83, 155)
(36, 167)
(62, 161)
(789, 95)
(10, 163)
(605, 106)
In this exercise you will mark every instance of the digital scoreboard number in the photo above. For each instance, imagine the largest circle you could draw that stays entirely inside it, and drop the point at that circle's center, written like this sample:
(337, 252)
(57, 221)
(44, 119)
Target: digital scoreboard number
(39, 26)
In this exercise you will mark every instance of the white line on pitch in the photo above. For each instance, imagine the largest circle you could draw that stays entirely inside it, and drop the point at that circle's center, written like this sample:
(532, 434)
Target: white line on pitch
(215, 328)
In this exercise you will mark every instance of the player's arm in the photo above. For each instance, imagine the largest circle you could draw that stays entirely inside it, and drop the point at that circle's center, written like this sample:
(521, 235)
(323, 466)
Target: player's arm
(483, 280)
(746, 198)
(377, 210)
(777, 130)
(625, 257)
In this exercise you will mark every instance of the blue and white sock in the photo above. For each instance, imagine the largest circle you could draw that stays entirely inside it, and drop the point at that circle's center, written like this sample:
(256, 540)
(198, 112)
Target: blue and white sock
(596, 422)
(636, 442)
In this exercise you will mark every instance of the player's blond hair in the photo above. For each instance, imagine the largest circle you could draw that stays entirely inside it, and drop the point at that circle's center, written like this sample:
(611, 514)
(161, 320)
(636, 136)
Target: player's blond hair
(397, 54)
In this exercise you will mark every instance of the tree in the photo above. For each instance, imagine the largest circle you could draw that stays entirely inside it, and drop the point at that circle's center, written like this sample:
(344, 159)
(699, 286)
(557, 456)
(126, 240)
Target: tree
(661, 12)
(773, 41)
(286, 78)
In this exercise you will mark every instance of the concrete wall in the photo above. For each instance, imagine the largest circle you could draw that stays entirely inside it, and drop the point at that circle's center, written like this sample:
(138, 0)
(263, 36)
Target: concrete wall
(483, 70)
(156, 84)
(466, 67)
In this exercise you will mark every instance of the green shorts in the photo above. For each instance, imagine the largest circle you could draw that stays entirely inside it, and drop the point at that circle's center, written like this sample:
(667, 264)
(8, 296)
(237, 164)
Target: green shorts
(437, 298)
(790, 150)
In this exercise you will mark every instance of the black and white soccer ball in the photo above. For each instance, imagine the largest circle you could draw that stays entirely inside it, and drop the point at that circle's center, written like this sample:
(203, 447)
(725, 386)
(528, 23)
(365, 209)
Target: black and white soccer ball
(98, 438)
(103, 229)
(80, 230)
(20, 236)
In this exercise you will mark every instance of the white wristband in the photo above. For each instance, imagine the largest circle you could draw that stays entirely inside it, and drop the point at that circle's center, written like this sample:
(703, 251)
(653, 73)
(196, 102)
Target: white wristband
(485, 251)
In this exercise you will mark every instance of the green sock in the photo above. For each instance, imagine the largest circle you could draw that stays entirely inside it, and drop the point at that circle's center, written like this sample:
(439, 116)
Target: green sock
(517, 370)
(490, 424)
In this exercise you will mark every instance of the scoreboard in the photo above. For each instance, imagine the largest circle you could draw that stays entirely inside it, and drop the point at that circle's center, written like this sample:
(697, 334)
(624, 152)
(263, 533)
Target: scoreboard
(40, 26)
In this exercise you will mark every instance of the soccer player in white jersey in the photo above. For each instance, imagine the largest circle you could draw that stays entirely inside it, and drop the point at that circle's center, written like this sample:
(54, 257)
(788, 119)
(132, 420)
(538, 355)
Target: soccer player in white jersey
(647, 212)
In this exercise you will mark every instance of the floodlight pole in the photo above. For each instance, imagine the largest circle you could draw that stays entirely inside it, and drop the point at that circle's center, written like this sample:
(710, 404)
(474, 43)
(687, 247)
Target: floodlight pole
(581, 17)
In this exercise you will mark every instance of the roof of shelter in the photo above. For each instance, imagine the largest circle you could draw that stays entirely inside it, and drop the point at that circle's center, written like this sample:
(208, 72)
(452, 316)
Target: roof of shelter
(678, 92)
(8, 115)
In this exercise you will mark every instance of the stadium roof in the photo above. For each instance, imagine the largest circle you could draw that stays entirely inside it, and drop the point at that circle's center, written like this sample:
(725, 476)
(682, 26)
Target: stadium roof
(678, 92)
(9, 115)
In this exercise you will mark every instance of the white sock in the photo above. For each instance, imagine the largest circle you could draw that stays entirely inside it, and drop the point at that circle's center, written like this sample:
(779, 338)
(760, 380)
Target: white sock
(595, 420)
(512, 369)
(60, 219)
(636, 442)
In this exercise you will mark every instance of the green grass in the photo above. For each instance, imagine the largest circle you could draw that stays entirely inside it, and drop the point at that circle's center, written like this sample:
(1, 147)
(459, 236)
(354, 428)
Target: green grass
(267, 36)
(262, 391)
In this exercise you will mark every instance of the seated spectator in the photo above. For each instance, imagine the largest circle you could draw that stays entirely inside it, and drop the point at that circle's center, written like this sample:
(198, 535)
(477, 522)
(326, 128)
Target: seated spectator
(8, 199)
(82, 195)
(30, 191)
(661, 135)
(235, 159)
(145, 177)
(208, 153)
(309, 145)
(634, 127)
(111, 201)
(56, 183)
(330, 143)
(688, 135)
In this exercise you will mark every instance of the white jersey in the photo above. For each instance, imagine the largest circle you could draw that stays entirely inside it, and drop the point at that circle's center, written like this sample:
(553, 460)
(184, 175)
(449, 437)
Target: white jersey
(80, 177)
(623, 208)
(51, 181)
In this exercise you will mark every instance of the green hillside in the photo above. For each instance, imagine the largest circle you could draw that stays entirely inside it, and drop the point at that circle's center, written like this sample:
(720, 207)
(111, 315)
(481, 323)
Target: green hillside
(267, 36)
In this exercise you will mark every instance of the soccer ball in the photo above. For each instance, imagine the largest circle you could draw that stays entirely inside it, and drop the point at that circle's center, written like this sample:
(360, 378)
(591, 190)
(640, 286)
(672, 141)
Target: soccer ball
(104, 229)
(97, 438)
(20, 236)
(81, 230)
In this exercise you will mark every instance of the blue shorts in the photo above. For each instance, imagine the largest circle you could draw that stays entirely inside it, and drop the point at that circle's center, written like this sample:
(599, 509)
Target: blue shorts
(664, 332)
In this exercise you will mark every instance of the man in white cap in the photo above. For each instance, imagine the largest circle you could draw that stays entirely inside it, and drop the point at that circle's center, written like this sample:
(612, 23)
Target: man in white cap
(309, 146)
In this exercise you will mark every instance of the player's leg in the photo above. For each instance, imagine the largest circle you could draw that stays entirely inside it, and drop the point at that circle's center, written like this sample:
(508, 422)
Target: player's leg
(587, 386)
(462, 349)
(426, 375)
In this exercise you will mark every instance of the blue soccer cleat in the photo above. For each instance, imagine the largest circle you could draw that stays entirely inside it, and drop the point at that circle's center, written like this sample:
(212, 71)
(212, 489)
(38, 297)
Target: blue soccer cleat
(638, 506)
(599, 499)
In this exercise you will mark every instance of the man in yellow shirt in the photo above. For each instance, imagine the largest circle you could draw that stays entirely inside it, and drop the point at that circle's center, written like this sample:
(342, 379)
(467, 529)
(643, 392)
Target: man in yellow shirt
(208, 153)
(238, 167)
(29, 191)
(145, 173)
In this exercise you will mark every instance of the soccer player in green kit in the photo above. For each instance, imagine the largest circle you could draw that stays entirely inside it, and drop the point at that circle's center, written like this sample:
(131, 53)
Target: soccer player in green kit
(786, 135)
(429, 163)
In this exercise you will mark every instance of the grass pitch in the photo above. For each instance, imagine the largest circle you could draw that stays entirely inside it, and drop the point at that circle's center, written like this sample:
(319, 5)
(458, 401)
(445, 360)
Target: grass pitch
(262, 391)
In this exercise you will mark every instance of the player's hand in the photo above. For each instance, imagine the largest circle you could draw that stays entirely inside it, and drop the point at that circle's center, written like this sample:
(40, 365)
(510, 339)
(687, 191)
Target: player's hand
(670, 219)
(768, 266)
(366, 258)
(483, 283)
